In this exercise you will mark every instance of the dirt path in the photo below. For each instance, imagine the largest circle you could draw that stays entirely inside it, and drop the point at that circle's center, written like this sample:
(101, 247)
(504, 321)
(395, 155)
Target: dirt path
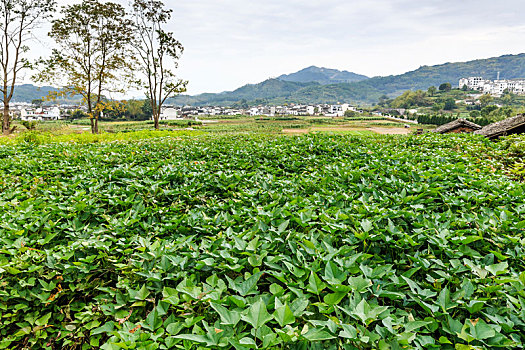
(391, 131)
(296, 131)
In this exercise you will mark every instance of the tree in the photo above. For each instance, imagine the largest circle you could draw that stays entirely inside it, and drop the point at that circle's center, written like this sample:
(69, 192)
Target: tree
(134, 109)
(146, 109)
(450, 104)
(507, 98)
(445, 87)
(431, 91)
(19, 19)
(411, 99)
(38, 102)
(78, 114)
(93, 54)
(485, 100)
(158, 54)
(475, 114)
(351, 114)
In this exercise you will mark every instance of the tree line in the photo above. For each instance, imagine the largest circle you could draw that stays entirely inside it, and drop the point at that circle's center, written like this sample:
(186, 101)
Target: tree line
(100, 48)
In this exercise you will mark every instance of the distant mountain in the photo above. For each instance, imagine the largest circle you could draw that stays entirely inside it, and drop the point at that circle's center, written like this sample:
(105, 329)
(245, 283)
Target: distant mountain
(322, 76)
(268, 91)
(29, 92)
(278, 91)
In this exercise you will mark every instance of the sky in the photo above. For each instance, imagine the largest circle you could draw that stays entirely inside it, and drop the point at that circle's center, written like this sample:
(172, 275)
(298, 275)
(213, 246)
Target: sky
(230, 43)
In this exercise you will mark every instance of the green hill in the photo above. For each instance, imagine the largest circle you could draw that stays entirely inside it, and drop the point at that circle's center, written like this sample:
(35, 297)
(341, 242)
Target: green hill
(510, 67)
(323, 76)
(274, 91)
(268, 91)
(28, 92)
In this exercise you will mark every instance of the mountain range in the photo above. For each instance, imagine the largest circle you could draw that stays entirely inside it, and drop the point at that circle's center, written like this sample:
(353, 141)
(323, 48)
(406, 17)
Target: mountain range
(314, 85)
(320, 90)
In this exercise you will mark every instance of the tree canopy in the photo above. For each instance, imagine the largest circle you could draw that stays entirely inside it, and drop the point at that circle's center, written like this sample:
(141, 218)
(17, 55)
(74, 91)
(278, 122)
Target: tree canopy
(93, 55)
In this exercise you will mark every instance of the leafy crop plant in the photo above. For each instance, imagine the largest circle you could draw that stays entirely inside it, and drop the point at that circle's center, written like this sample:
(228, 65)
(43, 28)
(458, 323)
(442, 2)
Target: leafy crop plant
(258, 242)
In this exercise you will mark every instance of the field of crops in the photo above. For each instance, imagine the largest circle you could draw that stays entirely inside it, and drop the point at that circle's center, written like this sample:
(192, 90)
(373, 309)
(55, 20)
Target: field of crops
(261, 242)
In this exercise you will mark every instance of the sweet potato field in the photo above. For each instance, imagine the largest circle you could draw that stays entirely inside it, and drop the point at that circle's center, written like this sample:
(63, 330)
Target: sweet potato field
(254, 242)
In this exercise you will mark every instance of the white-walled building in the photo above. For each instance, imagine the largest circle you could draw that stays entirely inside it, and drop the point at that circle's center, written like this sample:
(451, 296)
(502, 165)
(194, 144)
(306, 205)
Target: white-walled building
(169, 113)
(473, 83)
(40, 114)
(496, 87)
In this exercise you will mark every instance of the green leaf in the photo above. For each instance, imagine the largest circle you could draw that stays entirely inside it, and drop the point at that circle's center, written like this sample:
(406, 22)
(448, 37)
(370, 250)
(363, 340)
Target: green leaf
(257, 315)
(498, 269)
(246, 287)
(359, 283)
(475, 306)
(186, 287)
(349, 332)
(367, 225)
(170, 295)
(317, 334)
(141, 294)
(42, 321)
(444, 340)
(193, 337)
(444, 300)
(283, 226)
(365, 312)
(333, 274)
(153, 321)
(227, 317)
(480, 330)
(334, 298)
(412, 326)
(106, 328)
(315, 285)
(284, 315)
(174, 328)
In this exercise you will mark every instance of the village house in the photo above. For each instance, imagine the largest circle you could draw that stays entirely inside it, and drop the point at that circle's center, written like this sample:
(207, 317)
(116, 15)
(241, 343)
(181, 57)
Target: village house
(169, 113)
(510, 126)
(40, 114)
(457, 126)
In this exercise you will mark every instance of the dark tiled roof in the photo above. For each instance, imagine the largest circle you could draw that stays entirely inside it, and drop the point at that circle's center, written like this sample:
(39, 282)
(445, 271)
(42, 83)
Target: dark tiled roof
(502, 127)
(459, 123)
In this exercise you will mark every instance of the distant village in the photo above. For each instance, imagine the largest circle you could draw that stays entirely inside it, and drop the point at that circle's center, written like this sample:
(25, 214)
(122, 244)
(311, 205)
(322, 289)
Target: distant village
(28, 112)
(494, 87)
(326, 110)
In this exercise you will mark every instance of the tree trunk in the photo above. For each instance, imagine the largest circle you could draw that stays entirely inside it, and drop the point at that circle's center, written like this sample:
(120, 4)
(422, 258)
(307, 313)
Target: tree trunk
(96, 126)
(155, 114)
(6, 120)
(156, 120)
(92, 120)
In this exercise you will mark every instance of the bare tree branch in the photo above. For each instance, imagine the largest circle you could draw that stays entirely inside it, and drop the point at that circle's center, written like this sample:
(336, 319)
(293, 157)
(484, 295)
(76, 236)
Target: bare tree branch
(159, 52)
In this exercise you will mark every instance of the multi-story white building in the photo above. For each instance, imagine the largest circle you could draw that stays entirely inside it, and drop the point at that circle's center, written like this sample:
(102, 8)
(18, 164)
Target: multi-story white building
(473, 83)
(494, 87)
